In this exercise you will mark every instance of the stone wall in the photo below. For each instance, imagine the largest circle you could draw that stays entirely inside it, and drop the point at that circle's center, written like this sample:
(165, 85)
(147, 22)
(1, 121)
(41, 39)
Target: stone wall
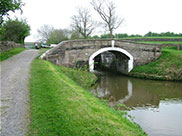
(178, 46)
(7, 45)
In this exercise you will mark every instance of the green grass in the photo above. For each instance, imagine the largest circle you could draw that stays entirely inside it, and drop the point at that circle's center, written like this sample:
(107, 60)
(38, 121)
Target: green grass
(82, 78)
(60, 107)
(167, 67)
(7, 54)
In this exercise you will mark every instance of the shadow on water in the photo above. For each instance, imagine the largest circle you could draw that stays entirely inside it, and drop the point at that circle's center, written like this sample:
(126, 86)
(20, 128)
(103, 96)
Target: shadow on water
(156, 105)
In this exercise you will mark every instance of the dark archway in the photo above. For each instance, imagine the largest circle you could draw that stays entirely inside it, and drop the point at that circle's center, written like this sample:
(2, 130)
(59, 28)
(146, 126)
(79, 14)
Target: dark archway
(123, 59)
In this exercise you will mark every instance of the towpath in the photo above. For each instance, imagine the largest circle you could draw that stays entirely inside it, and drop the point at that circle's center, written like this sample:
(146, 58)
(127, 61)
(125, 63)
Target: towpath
(14, 93)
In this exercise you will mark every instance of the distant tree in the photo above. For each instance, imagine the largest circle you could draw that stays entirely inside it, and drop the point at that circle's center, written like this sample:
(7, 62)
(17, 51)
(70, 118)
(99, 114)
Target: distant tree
(44, 32)
(95, 37)
(148, 34)
(107, 11)
(15, 30)
(104, 36)
(169, 34)
(75, 35)
(82, 23)
(163, 34)
(9, 5)
(120, 35)
(135, 35)
(58, 35)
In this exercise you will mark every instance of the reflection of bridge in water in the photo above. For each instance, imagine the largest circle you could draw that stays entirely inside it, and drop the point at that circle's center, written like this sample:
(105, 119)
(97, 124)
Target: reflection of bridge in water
(126, 98)
(136, 92)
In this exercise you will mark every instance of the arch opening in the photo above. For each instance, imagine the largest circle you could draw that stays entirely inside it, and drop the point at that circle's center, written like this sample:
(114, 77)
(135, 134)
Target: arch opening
(123, 59)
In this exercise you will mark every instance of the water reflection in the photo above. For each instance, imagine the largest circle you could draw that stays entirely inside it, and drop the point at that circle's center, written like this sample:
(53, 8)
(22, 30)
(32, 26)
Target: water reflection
(126, 98)
(136, 92)
(156, 105)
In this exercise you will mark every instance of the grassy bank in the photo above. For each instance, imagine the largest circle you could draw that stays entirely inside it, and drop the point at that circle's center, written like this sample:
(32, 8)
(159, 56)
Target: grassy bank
(167, 67)
(81, 78)
(59, 106)
(7, 54)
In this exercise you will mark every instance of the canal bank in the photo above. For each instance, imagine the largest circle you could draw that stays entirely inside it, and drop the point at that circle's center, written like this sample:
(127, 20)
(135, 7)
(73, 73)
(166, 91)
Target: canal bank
(167, 67)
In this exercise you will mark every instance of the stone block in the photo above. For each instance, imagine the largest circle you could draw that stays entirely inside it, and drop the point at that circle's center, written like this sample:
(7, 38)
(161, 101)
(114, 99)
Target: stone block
(7, 45)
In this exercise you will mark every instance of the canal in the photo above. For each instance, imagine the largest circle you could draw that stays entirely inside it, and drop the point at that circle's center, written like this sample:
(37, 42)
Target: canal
(155, 105)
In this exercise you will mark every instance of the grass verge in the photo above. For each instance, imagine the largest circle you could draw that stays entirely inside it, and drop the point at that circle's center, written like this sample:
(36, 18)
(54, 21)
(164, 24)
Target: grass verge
(7, 54)
(60, 107)
(167, 67)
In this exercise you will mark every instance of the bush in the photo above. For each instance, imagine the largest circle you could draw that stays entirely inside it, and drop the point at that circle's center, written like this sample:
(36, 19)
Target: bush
(15, 30)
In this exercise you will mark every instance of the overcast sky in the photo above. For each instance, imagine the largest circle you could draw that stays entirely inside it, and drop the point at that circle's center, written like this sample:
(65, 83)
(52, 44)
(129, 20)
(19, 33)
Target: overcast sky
(141, 16)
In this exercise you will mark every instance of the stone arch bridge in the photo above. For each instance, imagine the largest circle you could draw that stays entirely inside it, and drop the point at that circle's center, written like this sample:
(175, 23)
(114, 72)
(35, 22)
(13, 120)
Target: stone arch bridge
(127, 54)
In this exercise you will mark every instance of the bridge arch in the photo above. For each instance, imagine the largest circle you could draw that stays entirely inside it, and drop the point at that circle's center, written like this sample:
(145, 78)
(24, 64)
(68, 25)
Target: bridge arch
(102, 50)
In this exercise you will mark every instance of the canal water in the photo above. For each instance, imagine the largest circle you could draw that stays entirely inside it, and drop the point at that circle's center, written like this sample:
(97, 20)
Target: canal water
(155, 105)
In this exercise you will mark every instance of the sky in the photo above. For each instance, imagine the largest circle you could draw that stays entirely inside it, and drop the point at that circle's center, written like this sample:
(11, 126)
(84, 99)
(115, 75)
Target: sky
(141, 16)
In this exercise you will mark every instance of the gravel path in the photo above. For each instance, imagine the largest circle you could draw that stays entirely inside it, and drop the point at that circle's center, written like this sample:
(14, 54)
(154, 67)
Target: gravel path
(15, 94)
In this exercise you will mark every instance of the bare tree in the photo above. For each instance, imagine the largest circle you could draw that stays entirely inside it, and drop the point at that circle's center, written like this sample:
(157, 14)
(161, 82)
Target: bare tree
(83, 23)
(44, 32)
(107, 11)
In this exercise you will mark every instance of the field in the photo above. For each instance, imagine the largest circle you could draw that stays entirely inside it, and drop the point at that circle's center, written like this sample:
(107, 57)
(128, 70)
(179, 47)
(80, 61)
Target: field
(153, 37)
(161, 42)
(157, 40)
